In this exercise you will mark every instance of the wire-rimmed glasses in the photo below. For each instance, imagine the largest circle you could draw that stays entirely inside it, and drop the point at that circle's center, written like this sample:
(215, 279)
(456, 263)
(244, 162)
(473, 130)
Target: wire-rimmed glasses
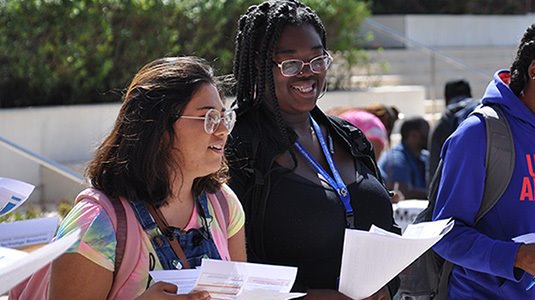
(292, 67)
(213, 117)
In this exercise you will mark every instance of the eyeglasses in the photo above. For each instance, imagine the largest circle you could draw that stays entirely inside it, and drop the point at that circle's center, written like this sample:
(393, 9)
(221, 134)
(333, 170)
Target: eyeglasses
(292, 67)
(213, 117)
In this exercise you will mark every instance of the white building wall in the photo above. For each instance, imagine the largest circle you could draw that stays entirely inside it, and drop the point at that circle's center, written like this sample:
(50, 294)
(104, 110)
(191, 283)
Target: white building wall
(67, 134)
(450, 30)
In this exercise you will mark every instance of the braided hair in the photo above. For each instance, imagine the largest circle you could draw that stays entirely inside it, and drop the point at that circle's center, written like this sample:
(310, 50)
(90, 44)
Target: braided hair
(258, 32)
(524, 56)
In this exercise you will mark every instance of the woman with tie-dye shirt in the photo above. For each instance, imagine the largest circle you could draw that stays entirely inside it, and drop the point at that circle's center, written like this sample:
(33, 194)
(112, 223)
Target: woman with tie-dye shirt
(164, 159)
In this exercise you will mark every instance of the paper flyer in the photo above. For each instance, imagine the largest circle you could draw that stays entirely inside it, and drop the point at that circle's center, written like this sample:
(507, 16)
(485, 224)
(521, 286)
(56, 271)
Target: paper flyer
(12, 194)
(15, 268)
(367, 261)
(234, 280)
(19, 234)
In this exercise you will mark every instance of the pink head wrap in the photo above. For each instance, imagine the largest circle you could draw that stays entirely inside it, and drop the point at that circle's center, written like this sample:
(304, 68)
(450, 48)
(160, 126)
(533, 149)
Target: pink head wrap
(371, 126)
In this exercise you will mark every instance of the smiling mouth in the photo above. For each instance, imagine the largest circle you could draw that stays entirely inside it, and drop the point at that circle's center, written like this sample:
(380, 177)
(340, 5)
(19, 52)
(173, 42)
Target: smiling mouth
(216, 147)
(304, 88)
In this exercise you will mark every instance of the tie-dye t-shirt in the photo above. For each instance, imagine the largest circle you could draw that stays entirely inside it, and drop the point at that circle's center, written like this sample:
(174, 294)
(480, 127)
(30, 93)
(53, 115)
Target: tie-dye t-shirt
(98, 241)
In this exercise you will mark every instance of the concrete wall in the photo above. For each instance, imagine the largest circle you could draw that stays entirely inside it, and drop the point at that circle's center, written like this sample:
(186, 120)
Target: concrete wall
(449, 30)
(408, 99)
(69, 135)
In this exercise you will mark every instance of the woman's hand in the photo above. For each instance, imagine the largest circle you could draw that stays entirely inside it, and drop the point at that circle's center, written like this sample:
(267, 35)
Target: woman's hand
(525, 258)
(325, 295)
(167, 291)
(382, 294)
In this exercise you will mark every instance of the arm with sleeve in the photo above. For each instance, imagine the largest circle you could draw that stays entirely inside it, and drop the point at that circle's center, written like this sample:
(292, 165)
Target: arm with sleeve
(394, 166)
(459, 197)
(97, 239)
(236, 214)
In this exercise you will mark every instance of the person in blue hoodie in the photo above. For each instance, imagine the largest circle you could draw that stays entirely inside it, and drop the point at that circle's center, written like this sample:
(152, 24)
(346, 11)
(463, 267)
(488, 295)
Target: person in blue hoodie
(488, 264)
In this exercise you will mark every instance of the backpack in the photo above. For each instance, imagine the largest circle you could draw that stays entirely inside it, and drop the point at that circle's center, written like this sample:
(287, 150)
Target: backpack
(449, 121)
(36, 286)
(127, 229)
(427, 277)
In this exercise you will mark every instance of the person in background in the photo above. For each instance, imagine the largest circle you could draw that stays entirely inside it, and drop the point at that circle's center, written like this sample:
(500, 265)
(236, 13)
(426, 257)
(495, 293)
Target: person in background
(459, 104)
(165, 156)
(488, 264)
(281, 144)
(404, 165)
(388, 114)
(371, 126)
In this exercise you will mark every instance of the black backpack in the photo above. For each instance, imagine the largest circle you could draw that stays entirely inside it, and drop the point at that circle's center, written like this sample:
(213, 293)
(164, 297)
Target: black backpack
(449, 121)
(428, 276)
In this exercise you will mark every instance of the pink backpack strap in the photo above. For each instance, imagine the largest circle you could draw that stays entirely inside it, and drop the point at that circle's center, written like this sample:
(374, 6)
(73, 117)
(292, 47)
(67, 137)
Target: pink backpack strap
(129, 244)
(221, 210)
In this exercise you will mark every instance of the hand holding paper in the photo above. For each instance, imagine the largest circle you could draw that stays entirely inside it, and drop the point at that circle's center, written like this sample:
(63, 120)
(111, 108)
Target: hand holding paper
(372, 258)
(234, 280)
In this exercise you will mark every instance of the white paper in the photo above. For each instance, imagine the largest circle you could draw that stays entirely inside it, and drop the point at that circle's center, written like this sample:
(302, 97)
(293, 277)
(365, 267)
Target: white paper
(28, 232)
(184, 279)
(372, 258)
(12, 194)
(528, 238)
(21, 268)
(234, 280)
(406, 211)
(8, 256)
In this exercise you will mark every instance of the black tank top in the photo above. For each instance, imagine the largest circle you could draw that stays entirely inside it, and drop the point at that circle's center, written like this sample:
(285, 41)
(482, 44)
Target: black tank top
(305, 223)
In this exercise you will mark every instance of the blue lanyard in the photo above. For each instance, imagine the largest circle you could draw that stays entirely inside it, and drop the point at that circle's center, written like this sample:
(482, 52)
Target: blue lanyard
(337, 183)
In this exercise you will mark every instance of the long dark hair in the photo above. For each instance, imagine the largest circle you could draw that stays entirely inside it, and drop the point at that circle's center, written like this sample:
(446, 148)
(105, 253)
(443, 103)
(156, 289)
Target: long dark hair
(524, 56)
(258, 32)
(135, 159)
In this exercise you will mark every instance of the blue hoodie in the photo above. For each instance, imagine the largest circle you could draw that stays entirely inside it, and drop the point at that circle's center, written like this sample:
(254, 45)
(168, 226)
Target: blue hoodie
(484, 254)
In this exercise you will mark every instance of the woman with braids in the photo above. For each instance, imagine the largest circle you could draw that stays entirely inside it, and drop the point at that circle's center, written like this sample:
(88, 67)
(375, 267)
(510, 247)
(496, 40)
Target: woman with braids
(488, 263)
(163, 163)
(302, 177)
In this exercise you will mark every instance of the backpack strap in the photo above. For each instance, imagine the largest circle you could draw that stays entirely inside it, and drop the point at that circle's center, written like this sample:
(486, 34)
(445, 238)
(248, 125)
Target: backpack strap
(129, 244)
(120, 235)
(221, 210)
(500, 157)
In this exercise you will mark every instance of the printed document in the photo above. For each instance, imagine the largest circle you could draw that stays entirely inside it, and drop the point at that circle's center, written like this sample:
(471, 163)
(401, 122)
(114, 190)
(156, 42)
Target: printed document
(12, 194)
(19, 234)
(233, 280)
(16, 266)
(372, 258)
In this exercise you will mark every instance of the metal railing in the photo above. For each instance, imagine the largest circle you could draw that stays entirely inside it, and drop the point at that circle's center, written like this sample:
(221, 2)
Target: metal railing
(43, 161)
(433, 53)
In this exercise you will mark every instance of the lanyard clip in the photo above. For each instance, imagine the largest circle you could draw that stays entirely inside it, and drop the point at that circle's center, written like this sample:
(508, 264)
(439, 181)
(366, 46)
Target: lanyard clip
(350, 220)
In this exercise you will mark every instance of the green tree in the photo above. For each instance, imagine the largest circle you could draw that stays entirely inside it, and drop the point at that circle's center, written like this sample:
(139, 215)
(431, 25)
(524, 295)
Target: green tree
(85, 51)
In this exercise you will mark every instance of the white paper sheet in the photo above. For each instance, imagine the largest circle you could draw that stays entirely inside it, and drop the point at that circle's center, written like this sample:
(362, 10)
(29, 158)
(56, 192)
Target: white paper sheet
(12, 194)
(528, 238)
(8, 256)
(234, 280)
(184, 279)
(28, 232)
(18, 269)
(372, 258)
